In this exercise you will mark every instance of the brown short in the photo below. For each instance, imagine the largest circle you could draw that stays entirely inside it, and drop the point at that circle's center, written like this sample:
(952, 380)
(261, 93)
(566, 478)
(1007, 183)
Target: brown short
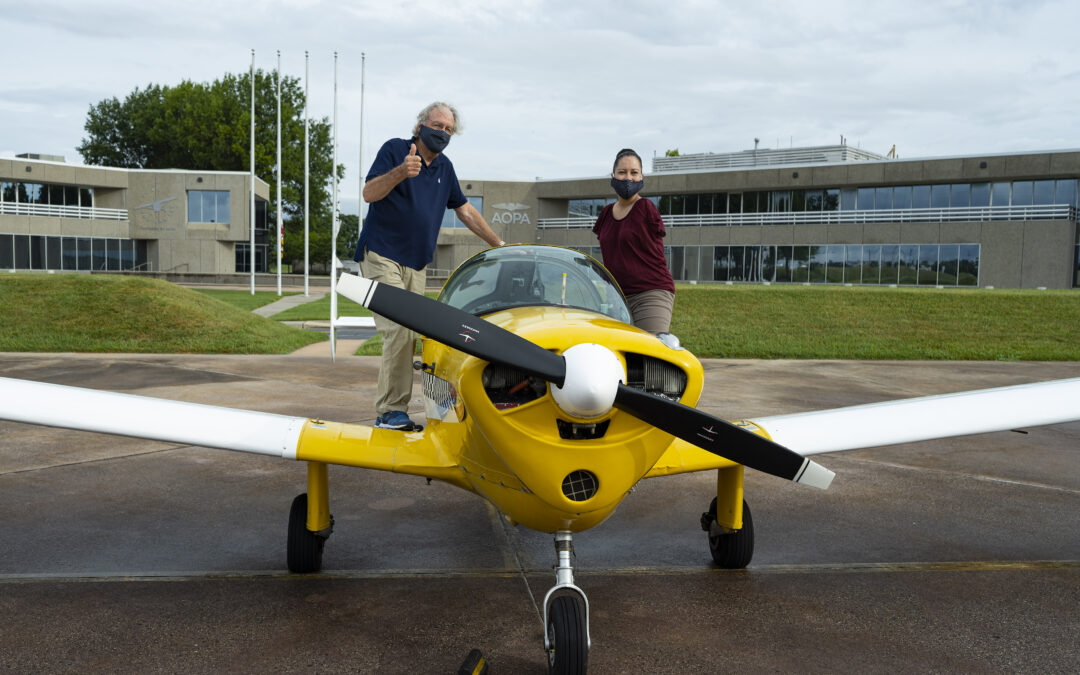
(652, 310)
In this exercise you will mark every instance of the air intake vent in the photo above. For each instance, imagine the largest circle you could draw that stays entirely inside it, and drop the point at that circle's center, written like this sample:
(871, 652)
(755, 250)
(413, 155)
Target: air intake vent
(655, 376)
(573, 431)
(579, 486)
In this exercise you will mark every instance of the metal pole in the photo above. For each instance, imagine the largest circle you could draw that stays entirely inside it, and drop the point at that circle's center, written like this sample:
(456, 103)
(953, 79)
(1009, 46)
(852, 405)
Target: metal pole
(360, 201)
(280, 227)
(307, 171)
(334, 229)
(252, 152)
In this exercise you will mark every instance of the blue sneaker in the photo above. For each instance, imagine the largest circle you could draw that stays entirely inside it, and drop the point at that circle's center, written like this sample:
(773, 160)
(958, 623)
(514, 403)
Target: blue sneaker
(395, 419)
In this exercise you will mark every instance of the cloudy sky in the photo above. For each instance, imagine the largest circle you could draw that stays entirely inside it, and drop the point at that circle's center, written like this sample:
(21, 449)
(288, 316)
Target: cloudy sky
(554, 89)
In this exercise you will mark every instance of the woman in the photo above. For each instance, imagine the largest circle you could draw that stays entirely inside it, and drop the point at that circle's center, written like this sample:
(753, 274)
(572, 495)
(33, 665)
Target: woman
(631, 235)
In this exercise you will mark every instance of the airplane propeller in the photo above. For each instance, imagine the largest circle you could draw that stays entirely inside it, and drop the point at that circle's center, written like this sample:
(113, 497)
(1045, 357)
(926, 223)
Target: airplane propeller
(586, 389)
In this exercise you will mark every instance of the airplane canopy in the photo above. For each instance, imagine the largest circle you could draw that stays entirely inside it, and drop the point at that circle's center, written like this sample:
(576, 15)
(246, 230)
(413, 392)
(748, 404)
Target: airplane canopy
(524, 275)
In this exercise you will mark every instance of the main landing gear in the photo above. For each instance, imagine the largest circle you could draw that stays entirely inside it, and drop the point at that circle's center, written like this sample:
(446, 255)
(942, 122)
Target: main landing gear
(566, 615)
(730, 549)
(310, 523)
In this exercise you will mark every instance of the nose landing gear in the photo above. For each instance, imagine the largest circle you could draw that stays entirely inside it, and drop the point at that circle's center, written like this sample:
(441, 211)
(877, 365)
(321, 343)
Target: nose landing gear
(566, 615)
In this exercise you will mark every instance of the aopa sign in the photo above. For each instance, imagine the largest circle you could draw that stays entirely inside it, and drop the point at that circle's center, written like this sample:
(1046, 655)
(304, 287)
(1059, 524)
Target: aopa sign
(510, 213)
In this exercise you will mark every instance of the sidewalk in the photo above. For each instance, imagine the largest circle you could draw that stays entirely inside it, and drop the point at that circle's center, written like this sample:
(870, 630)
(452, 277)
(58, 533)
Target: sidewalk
(288, 302)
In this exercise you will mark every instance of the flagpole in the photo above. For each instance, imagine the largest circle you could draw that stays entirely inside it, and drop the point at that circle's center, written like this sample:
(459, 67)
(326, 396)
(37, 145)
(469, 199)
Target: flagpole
(360, 201)
(252, 153)
(334, 228)
(280, 228)
(307, 171)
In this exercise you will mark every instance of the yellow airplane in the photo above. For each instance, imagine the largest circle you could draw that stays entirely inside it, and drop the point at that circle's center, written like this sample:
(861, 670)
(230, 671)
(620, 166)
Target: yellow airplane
(543, 399)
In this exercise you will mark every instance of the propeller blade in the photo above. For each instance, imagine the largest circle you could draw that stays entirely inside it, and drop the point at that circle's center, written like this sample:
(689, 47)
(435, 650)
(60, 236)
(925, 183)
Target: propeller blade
(721, 438)
(454, 327)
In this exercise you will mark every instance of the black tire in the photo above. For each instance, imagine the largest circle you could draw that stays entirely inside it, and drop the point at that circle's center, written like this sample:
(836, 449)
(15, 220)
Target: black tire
(305, 548)
(569, 651)
(732, 551)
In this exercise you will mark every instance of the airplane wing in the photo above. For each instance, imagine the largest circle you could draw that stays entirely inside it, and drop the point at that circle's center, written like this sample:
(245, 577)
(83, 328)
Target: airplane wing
(902, 421)
(420, 453)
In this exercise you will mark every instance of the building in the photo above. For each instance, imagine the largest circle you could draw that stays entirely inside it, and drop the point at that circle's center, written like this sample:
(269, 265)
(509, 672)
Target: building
(831, 215)
(58, 216)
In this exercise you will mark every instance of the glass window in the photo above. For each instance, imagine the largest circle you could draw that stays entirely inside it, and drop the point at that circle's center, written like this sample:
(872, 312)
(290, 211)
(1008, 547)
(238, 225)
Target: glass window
(902, 197)
(71, 195)
(960, 195)
(999, 194)
(86, 197)
(939, 196)
(665, 205)
(70, 254)
(831, 201)
(691, 262)
(34, 193)
(947, 264)
(835, 260)
(865, 199)
(85, 261)
(52, 253)
(37, 252)
(22, 252)
(783, 264)
(890, 264)
(767, 263)
(194, 206)
(7, 251)
(852, 264)
(968, 265)
(735, 203)
(980, 194)
(678, 205)
(817, 262)
(690, 205)
(928, 264)
(208, 206)
(112, 254)
(800, 264)
(676, 263)
(1043, 192)
(97, 254)
(223, 207)
(737, 272)
(705, 204)
(1022, 193)
(721, 263)
(750, 202)
(1065, 192)
(909, 264)
(720, 203)
(815, 199)
(798, 200)
(920, 197)
(7, 192)
(871, 264)
(780, 201)
(141, 259)
(883, 198)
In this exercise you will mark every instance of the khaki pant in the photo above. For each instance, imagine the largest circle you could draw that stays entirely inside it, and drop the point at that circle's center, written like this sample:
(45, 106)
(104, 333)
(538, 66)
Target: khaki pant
(651, 310)
(398, 343)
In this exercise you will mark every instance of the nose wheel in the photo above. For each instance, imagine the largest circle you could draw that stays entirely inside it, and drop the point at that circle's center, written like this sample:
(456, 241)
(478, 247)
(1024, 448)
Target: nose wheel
(566, 616)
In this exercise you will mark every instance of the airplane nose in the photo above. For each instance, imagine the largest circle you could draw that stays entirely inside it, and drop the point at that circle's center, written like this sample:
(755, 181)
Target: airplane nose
(593, 374)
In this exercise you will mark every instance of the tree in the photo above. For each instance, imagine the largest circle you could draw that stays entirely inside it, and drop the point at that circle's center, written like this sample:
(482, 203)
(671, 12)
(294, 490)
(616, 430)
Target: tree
(348, 233)
(203, 126)
(671, 153)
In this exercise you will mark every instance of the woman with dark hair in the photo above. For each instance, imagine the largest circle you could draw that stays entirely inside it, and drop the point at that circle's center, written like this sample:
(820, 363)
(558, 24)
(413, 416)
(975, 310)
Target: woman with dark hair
(631, 235)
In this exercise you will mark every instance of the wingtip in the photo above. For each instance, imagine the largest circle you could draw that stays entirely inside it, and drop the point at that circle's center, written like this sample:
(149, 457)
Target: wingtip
(815, 475)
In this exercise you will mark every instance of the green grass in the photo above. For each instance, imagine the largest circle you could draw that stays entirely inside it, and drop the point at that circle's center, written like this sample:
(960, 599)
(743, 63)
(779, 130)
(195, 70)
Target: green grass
(99, 313)
(319, 310)
(242, 299)
(815, 322)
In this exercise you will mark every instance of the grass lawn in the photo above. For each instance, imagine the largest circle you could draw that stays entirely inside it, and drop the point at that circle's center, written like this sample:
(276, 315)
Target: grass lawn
(105, 313)
(242, 299)
(837, 322)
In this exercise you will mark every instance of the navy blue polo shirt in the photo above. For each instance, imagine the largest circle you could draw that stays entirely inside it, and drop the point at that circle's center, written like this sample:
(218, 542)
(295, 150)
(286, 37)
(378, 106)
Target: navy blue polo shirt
(404, 225)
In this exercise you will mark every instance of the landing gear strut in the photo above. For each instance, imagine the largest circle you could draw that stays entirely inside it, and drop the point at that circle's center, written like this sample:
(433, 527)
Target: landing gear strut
(730, 550)
(566, 615)
(310, 523)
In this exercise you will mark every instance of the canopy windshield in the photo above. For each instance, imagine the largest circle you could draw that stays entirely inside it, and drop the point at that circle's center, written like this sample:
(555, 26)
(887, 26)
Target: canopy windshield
(519, 276)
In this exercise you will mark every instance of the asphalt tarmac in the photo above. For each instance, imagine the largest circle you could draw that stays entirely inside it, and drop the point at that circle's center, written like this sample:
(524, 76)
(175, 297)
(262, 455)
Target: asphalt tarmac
(122, 555)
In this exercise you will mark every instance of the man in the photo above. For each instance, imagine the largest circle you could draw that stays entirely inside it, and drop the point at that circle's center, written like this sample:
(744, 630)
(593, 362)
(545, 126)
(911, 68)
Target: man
(409, 186)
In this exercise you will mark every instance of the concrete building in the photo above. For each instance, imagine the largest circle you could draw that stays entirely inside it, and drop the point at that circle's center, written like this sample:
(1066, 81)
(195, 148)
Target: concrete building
(58, 216)
(831, 214)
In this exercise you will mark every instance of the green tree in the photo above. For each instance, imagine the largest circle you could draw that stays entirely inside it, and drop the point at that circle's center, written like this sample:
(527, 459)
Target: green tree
(671, 153)
(205, 126)
(348, 233)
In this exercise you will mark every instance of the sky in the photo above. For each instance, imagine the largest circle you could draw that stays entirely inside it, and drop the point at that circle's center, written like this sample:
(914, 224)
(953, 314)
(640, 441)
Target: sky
(553, 89)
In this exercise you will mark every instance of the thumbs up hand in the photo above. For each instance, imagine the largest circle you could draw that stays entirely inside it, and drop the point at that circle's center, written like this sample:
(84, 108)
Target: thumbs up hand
(411, 165)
